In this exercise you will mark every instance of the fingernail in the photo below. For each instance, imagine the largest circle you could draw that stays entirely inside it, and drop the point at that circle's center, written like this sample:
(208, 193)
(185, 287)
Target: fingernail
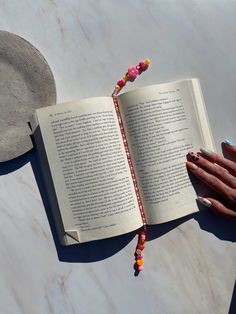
(191, 166)
(228, 142)
(204, 201)
(207, 152)
(192, 156)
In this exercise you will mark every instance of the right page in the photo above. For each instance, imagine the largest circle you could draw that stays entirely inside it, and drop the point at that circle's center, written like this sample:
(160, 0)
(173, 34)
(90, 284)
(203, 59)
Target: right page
(162, 123)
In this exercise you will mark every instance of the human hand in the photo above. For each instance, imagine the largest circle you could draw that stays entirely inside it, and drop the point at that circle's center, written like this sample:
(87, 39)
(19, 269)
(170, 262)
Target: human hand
(219, 174)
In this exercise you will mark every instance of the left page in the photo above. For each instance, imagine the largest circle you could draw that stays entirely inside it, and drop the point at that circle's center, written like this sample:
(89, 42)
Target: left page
(89, 168)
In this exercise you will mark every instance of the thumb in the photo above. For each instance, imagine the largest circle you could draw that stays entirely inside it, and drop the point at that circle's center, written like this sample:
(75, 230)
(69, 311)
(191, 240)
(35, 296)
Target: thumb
(217, 206)
(230, 148)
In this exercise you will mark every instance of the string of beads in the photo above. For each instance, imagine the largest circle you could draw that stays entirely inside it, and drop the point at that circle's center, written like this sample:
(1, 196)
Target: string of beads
(140, 247)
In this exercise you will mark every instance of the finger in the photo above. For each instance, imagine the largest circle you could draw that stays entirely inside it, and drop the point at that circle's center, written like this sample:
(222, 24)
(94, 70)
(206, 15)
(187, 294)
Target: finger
(212, 168)
(230, 148)
(216, 158)
(211, 181)
(217, 206)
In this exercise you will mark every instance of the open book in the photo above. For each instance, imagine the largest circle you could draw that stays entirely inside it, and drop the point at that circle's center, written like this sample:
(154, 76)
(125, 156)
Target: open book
(112, 166)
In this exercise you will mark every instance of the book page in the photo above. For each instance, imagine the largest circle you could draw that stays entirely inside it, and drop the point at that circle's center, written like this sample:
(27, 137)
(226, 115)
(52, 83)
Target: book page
(89, 169)
(162, 123)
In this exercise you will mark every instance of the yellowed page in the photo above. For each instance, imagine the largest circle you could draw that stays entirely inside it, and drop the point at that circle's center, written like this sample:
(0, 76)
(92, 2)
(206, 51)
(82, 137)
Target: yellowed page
(164, 122)
(89, 168)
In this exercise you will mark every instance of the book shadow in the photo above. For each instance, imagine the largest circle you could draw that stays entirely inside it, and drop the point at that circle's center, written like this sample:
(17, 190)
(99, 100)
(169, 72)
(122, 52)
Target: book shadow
(102, 249)
(83, 252)
(232, 308)
(221, 227)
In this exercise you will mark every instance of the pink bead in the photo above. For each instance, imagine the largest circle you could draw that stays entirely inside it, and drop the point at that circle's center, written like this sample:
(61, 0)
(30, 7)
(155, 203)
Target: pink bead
(143, 66)
(142, 237)
(132, 73)
(141, 246)
(121, 83)
(140, 268)
(139, 256)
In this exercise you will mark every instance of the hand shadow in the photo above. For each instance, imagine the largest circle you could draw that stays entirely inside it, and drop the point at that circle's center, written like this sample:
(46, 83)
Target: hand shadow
(222, 227)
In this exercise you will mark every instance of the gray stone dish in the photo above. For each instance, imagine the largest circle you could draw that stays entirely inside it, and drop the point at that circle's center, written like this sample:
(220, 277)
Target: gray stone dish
(26, 83)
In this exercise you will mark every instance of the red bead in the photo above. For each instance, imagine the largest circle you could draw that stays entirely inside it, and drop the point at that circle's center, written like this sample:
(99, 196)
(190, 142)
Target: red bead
(142, 65)
(140, 246)
(132, 73)
(121, 83)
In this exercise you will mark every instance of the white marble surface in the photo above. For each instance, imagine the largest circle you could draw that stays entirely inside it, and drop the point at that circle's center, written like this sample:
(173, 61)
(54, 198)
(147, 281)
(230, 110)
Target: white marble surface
(190, 264)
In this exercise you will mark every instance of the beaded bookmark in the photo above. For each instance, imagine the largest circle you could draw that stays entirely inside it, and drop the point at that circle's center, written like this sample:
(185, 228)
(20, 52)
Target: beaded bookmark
(132, 72)
(130, 76)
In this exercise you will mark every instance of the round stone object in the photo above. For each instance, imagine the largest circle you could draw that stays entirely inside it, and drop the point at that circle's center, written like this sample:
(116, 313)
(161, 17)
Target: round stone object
(26, 83)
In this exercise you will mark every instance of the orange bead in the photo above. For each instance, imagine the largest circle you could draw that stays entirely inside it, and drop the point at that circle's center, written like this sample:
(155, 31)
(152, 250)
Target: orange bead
(139, 262)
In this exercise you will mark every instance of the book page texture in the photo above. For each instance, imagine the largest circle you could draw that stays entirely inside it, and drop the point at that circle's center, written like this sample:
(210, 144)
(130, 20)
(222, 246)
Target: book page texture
(164, 122)
(89, 168)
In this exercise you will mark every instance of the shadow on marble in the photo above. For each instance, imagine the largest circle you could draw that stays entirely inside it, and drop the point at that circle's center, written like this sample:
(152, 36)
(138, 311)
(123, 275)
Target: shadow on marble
(222, 227)
(14, 164)
(156, 231)
(102, 249)
(232, 309)
(83, 252)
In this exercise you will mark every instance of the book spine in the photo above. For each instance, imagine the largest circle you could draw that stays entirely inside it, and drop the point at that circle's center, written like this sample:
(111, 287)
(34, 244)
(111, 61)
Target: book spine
(130, 162)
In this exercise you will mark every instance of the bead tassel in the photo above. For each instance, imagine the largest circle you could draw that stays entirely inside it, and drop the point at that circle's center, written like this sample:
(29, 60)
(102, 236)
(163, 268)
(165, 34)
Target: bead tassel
(140, 247)
(132, 72)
